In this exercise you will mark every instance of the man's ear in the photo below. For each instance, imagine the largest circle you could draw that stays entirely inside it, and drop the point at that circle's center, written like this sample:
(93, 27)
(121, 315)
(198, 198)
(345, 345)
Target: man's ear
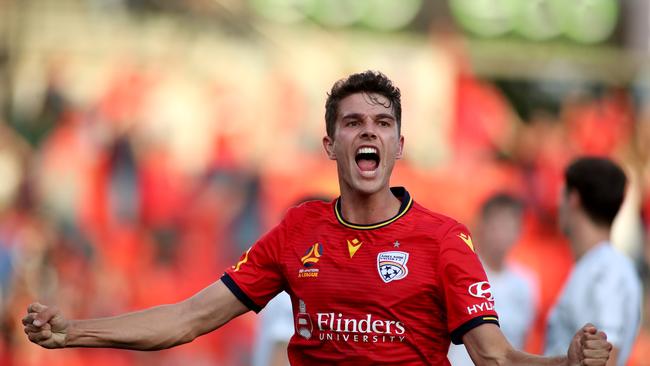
(328, 144)
(573, 199)
(400, 148)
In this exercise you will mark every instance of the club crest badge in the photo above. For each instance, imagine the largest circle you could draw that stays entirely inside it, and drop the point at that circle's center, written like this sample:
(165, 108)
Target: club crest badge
(392, 265)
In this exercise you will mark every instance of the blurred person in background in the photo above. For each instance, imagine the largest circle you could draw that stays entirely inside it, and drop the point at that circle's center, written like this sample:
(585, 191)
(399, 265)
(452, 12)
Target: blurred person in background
(365, 290)
(275, 329)
(604, 286)
(514, 288)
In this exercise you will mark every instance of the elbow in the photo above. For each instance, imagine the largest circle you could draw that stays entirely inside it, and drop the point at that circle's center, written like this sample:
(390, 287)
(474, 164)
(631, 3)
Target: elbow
(184, 334)
(175, 333)
(493, 361)
(488, 361)
(494, 357)
(505, 357)
(189, 326)
(187, 338)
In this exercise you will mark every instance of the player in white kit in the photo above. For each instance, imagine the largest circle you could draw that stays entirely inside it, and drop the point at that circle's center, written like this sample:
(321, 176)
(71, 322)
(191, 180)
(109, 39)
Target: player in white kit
(604, 286)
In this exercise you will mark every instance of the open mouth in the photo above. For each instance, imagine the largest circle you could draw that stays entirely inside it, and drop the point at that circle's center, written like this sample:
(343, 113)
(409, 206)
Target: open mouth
(367, 159)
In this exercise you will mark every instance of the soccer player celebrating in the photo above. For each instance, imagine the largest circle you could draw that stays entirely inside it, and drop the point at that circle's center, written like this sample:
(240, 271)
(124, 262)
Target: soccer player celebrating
(374, 277)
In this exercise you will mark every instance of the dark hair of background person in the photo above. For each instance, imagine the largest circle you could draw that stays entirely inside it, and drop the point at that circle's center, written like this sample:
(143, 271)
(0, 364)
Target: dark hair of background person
(600, 184)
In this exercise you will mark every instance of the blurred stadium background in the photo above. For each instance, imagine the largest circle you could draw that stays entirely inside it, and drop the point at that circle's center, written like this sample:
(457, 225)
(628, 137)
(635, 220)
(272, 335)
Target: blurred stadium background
(144, 144)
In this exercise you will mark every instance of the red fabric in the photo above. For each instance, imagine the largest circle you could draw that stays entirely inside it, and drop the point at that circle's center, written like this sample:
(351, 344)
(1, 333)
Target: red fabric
(461, 271)
(408, 320)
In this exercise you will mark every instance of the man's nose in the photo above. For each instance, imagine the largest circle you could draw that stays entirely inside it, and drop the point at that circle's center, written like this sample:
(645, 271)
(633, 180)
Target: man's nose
(369, 131)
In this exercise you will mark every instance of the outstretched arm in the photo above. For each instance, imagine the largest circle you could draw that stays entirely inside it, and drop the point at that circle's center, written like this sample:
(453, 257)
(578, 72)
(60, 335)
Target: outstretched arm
(486, 345)
(155, 328)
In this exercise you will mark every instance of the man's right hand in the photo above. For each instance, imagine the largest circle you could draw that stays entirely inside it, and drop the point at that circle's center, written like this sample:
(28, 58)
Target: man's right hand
(45, 326)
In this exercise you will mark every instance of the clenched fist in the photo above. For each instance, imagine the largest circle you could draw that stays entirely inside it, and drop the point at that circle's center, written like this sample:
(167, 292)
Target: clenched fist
(589, 347)
(45, 326)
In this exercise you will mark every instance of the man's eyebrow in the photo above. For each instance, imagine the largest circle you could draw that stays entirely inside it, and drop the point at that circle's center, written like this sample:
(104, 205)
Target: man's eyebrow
(352, 116)
(384, 116)
(376, 116)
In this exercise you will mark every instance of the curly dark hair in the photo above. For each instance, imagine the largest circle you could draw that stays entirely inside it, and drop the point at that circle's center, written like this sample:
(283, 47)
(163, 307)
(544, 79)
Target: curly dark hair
(600, 183)
(364, 82)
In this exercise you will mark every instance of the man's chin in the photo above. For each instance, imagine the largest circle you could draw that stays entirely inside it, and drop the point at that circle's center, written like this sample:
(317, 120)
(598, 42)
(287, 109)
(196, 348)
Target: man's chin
(368, 187)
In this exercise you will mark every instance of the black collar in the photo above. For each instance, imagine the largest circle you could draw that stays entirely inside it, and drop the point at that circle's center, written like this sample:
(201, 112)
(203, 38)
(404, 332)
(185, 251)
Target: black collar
(400, 192)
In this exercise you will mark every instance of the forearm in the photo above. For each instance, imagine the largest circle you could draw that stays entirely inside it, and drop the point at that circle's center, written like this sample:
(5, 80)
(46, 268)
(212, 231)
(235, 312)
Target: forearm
(151, 329)
(513, 357)
(159, 327)
(487, 346)
(518, 358)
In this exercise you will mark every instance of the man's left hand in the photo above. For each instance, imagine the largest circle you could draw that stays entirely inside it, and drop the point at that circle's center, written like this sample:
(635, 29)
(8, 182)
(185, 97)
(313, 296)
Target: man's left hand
(589, 347)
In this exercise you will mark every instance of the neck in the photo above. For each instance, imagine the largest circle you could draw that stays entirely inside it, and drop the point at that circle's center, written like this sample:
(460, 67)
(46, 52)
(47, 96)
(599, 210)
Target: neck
(368, 209)
(586, 235)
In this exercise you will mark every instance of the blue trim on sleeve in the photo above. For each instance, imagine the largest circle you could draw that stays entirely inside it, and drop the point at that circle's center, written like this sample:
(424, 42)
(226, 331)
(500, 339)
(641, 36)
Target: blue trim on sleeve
(239, 294)
(458, 333)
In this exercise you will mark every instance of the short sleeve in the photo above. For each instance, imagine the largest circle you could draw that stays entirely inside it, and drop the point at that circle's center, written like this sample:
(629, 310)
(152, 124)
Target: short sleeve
(257, 277)
(468, 295)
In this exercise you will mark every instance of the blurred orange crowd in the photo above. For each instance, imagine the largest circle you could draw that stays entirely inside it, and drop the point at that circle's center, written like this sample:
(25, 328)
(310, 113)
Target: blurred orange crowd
(105, 208)
(105, 222)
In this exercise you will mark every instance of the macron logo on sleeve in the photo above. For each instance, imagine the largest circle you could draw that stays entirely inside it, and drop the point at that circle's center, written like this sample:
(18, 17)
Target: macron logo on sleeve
(467, 239)
(242, 261)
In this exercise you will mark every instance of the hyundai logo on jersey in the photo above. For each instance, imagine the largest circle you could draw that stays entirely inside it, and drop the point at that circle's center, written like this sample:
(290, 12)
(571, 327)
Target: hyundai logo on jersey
(481, 290)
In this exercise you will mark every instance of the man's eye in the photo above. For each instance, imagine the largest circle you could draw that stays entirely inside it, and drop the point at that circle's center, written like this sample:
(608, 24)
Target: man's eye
(384, 123)
(352, 123)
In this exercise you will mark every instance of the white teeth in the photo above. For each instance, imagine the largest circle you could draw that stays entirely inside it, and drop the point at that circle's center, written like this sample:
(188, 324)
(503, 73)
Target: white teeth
(367, 150)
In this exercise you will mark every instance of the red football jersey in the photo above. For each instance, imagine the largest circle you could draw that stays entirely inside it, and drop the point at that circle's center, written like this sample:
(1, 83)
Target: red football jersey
(396, 292)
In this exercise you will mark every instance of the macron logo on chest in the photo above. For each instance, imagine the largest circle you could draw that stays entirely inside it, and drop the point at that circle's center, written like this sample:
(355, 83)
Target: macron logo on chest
(353, 246)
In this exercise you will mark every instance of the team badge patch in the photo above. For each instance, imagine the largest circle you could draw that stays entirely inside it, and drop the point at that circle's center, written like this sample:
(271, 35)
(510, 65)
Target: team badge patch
(312, 255)
(392, 265)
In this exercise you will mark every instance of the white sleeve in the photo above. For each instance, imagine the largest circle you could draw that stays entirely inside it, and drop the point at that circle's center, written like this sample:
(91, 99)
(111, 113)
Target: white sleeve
(277, 320)
(522, 306)
(615, 303)
(275, 326)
